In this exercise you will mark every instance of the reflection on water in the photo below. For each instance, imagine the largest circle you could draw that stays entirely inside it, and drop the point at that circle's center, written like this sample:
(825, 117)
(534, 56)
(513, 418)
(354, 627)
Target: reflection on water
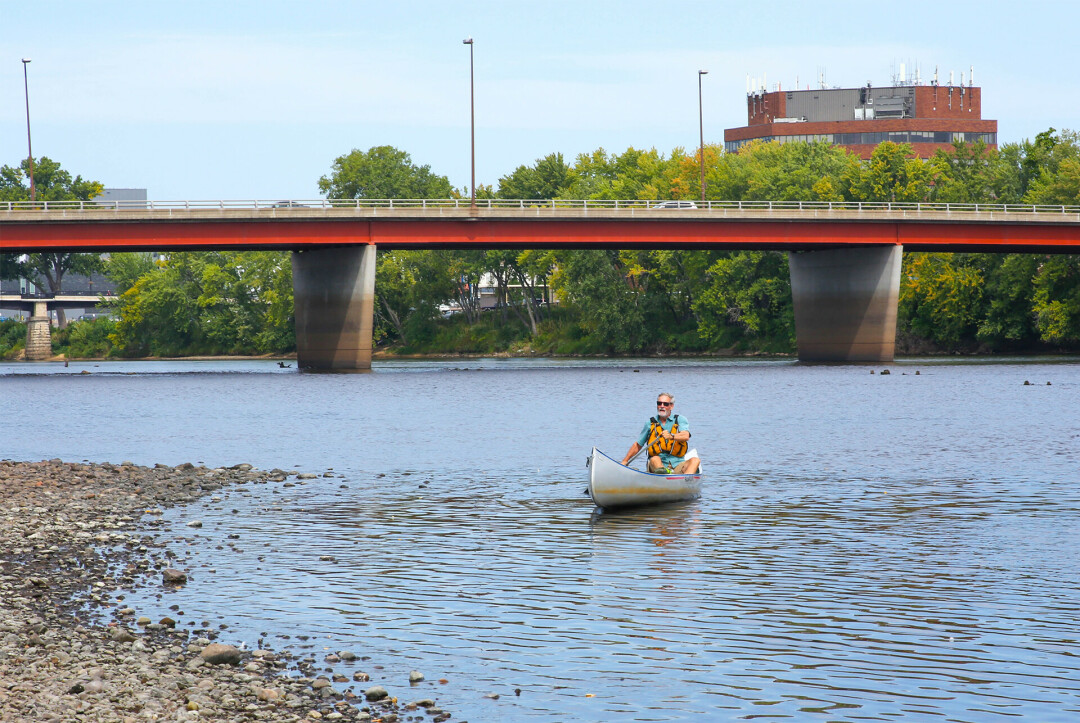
(868, 547)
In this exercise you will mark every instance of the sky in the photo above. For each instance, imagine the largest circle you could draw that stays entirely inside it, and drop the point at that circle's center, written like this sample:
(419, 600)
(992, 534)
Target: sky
(239, 99)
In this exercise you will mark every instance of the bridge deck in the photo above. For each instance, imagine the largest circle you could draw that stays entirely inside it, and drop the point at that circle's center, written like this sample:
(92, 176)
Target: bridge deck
(86, 226)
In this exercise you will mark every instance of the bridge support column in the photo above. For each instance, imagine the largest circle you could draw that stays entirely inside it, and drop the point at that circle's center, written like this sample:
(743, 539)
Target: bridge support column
(38, 334)
(334, 302)
(845, 303)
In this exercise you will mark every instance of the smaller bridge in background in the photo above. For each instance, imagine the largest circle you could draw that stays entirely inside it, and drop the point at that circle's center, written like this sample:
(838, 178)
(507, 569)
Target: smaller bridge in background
(26, 302)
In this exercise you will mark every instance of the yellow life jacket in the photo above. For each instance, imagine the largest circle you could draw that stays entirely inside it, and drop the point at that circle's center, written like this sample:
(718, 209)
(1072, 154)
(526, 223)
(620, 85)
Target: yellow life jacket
(657, 445)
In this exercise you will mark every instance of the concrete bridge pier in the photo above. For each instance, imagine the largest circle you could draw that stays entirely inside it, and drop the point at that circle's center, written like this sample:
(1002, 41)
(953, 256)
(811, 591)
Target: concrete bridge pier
(334, 302)
(38, 333)
(846, 303)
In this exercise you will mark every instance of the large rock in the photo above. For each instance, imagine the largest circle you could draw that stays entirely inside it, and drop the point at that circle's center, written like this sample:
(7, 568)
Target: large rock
(218, 654)
(121, 635)
(375, 692)
(172, 576)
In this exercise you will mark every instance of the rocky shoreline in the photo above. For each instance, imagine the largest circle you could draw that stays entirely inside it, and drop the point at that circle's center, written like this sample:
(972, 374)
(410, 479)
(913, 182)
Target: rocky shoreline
(74, 539)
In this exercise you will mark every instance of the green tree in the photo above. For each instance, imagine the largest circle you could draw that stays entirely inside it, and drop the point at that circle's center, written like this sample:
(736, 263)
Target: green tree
(632, 175)
(941, 297)
(1056, 300)
(1009, 289)
(159, 314)
(1028, 166)
(748, 302)
(893, 173)
(964, 174)
(382, 172)
(545, 179)
(595, 281)
(85, 339)
(228, 302)
(12, 338)
(52, 267)
(779, 172)
(124, 269)
(674, 279)
(53, 183)
(1059, 187)
(409, 286)
(12, 266)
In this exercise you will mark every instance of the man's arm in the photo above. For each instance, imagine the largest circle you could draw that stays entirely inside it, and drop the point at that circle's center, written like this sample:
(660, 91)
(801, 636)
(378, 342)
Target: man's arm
(633, 450)
(683, 435)
(643, 437)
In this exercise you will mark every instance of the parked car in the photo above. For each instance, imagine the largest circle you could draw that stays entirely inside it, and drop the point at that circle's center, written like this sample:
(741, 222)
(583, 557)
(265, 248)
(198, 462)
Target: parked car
(675, 204)
(448, 310)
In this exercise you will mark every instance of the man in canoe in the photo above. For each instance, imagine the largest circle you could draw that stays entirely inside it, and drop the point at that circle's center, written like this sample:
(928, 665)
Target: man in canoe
(667, 436)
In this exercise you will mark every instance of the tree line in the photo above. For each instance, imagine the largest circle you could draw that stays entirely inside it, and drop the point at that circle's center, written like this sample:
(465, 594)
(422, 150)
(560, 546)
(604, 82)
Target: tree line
(621, 302)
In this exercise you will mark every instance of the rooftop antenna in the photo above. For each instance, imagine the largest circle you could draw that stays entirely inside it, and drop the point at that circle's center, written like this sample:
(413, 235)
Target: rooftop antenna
(971, 75)
(951, 76)
(901, 73)
(918, 75)
(935, 75)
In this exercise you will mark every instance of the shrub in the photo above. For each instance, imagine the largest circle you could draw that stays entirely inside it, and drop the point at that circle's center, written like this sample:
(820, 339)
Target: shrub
(12, 338)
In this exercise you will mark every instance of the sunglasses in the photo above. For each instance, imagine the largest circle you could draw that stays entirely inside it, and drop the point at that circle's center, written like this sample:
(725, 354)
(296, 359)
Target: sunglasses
(665, 404)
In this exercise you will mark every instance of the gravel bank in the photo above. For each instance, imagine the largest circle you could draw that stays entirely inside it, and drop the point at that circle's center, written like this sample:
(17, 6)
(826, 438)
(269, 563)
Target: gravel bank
(73, 540)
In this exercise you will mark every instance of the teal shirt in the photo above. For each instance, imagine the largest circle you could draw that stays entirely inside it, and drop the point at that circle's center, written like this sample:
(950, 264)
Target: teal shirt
(668, 459)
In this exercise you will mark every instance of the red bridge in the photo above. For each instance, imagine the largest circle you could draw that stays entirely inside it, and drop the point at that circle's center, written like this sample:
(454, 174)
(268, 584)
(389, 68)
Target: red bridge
(844, 257)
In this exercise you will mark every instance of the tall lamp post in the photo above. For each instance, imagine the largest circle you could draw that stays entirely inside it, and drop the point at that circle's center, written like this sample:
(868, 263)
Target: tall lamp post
(29, 147)
(472, 124)
(701, 130)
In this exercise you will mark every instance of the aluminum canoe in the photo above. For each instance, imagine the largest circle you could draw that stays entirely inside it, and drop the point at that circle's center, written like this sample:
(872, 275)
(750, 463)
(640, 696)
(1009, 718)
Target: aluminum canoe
(613, 485)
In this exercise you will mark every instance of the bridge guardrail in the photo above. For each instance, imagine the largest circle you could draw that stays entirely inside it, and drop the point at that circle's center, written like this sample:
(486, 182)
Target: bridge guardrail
(555, 204)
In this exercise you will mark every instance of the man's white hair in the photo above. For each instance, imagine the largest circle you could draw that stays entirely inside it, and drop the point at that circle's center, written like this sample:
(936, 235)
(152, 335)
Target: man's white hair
(665, 394)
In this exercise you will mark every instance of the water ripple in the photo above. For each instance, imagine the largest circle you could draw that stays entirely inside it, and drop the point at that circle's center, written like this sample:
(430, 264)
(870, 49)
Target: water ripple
(866, 548)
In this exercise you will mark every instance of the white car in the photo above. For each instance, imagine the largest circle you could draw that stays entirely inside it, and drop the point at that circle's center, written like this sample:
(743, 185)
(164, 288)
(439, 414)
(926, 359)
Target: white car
(674, 204)
(448, 310)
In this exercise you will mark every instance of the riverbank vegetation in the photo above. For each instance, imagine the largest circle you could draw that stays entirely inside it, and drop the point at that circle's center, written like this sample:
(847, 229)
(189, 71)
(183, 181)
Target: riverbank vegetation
(628, 302)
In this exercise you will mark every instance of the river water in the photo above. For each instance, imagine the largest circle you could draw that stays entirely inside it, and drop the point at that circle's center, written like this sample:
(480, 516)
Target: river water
(867, 546)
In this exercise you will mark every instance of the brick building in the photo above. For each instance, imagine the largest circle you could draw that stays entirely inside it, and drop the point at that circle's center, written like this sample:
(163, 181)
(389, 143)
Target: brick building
(928, 117)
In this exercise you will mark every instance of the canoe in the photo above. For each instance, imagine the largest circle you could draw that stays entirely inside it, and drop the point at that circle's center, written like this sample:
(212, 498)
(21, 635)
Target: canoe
(613, 485)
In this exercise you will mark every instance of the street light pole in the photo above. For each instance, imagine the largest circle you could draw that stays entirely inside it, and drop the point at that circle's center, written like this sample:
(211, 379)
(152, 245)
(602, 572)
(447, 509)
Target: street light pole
(29, 146)
(701, 130)
(472, 124)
